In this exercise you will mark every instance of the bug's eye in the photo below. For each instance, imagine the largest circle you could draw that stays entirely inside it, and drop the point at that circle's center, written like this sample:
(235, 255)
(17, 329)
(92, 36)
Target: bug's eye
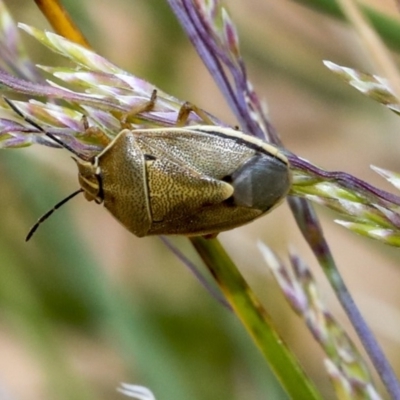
(261, 182)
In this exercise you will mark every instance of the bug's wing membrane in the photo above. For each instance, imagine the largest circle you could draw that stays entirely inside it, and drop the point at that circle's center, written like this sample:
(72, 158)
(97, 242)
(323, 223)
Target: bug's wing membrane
(174, 190)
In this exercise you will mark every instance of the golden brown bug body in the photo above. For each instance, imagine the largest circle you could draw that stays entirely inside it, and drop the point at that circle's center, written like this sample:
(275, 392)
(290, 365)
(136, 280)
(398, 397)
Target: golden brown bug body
(184, 180)
(195, 180)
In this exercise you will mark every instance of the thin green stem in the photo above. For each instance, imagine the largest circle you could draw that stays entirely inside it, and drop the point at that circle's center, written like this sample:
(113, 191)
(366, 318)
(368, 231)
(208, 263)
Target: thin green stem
(255, 319)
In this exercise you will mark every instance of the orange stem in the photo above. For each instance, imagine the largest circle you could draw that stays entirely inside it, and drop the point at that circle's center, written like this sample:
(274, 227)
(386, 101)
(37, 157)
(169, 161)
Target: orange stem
(61, 21)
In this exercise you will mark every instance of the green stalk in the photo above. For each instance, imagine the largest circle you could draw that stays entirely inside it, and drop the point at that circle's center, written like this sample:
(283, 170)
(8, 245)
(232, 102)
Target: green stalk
(255, 319)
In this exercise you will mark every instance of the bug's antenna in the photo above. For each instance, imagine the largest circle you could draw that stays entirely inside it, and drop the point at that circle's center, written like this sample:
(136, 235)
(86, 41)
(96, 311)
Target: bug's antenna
(48, 134)
(48, 213)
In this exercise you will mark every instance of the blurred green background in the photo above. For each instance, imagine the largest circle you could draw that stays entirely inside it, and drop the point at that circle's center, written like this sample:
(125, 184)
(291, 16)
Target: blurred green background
(86, 305)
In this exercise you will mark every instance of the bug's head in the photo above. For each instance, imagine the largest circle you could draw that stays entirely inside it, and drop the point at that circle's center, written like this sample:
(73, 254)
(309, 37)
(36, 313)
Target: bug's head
(90, 179)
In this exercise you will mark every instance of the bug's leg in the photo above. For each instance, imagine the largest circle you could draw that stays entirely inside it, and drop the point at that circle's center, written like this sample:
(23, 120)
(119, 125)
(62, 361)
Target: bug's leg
(185, 111)
(211, 235)
(95, 132)
(140, 108)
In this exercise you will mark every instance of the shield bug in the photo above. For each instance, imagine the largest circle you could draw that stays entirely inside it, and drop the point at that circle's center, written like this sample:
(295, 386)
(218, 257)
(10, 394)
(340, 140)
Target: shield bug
(183, 180)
